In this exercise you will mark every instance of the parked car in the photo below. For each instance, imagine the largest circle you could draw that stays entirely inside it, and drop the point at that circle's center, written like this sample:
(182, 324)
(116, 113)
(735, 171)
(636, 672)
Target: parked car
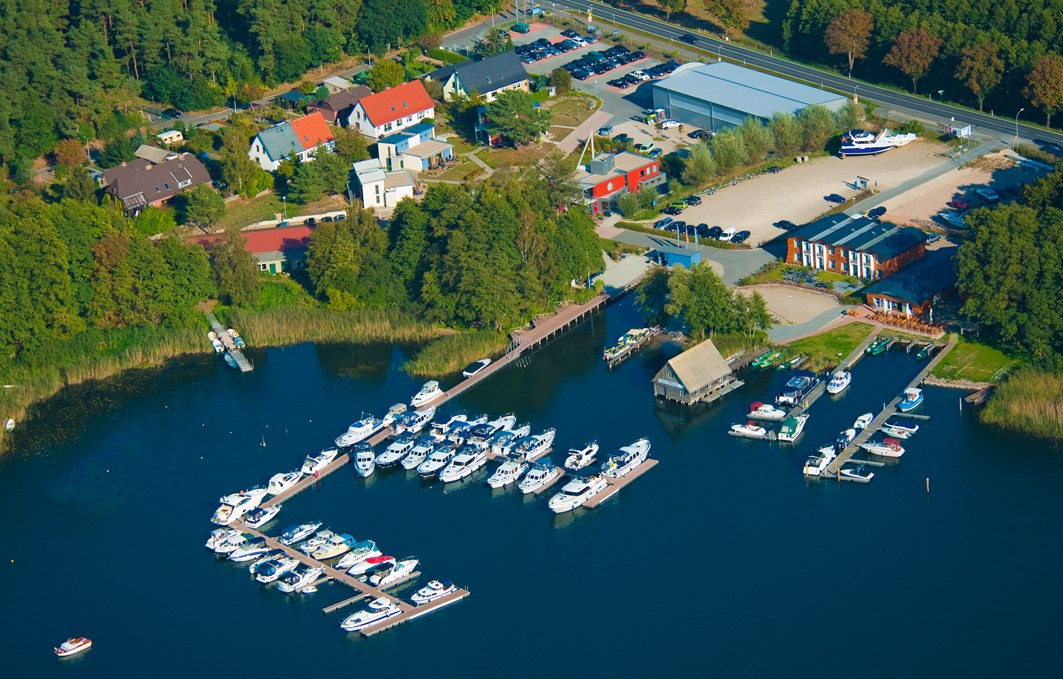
(740, 237)
(932, 238)
(662, 223)
(656, 153)
(834, 198)
(785, 225)
(698, 134)
(988, 195)
(689, 39)
(310, 221)
(957, 204)
(619, 83)
(953, 219)
(693, 200)
(876, 212)
(714, 232)
(326, 219)
(672, 210)
(622, 139)
(645, 147)
(727, 234)
(521, 27)
(172, 113)
(669, 124)
(632, 80)
(569, 33)
(641, 75)
(635, 56)
(605, 130)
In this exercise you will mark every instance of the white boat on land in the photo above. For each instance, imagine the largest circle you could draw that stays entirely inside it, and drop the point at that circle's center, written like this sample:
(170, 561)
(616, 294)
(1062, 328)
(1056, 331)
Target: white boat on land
(260, 516)
(235, 505)
(391, 574)
(508, 472)
(416, 421)
(428, 393)
(232, 543)
(884, 448)
(294, 534)
(765, 411)
(378, 610)
(359, 552)
(467, 461)
(359, 431)
(839, 381)
(630, 457)
(749, 430)
(316, 462)
(436, 589)
(533, 447)
(394, 413)
(436, 462)
(475, 367)
(396, 450)
(72, 646)
(541, 475)
(578, 458)
(220, 535)
(792, 428)
(577, 491)
(302, 576)
(863, 421)
(864, 143)
(364, 459)
(278, 483)
(818, 463)
(910, 428)
(249, 550)
(440, 430)
(422, 448)
(894, 432)
(857, 473)
(272, 570)
(334, 546)
(370, 563)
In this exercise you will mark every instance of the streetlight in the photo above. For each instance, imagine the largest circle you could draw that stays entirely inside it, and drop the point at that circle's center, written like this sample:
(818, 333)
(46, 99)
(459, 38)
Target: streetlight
(1017, 122)
(719, 51)
(941, 95)
(284, 204)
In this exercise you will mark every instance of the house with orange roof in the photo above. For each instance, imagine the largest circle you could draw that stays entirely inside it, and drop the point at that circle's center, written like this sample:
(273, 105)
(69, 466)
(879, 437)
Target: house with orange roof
(301, 138)
(391, 110)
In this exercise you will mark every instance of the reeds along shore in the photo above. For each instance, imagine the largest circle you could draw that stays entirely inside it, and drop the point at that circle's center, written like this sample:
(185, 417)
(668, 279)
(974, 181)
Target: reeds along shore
(448, 355)
(294, 325)
(1029, 402)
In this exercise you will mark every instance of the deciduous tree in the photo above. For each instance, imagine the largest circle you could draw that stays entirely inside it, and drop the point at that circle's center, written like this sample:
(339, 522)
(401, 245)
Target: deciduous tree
(70, 153)
(849, 33)
(1044, 85)
(514, 116)
(913, 53)
(980, 69)
(384, 74)
(203, 206)
(699, 166)
(235, 269)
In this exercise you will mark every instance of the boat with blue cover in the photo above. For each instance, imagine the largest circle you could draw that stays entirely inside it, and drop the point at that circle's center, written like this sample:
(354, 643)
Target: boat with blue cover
(913, 398)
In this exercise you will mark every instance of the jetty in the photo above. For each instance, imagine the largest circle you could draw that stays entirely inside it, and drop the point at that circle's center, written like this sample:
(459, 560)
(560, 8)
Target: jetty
(615, 485)
(846, 364)
(230, 345)
(630, 343)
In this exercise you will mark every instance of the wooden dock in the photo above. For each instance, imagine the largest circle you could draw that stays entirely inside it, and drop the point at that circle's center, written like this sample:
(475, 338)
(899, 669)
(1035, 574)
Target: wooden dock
(415, 612)
(631, 349)
(346, 602)
(308, 481)
(552, 483)
(616, 484)
(241, 361)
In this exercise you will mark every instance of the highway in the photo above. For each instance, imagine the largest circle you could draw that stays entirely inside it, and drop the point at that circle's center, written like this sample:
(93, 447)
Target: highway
(1003, 127)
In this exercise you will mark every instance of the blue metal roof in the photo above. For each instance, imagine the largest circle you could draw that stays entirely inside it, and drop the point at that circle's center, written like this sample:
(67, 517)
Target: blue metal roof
(931, 275)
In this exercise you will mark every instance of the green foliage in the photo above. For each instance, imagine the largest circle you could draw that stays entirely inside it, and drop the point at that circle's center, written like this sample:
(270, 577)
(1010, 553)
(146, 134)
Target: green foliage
(447, 57)
(786, 133)
(326, 173)
(699, 167)
(385, 22)
(651, 296)
(202, 206)
(561, 80)
(1030, 402)
(514, 116)
(729, 150)
(450, 353)
(79, 186)
(153, 220)
(628, 204)
(384, 74)
(850, 115)
(235, 269)
(912, 127)
(817, 127)
(757, 140)
(494, 42)
(827, 349)
(118, 151)
(699, 299)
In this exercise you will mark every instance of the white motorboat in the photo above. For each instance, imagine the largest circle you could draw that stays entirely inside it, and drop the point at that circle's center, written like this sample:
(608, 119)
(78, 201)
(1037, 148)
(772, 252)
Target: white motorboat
(278, 483)
(797, 388)
(396, 450)
(364, 459)
(910, 428)
(268, 556)
(864, 143)
(370, 563)
(436, 589)
(359, 431)
(765, 411)
(863, 421)
(414, 422)
(508, 472)
(475, 367)
(439, 430)
(749, 430)
(429, 392)
(302, 576)
(232, 543)
(459, 434)
(913, 398)
(316, 462)
(884, 448)
(578, 458)
(857, 473)
(520, 430)
(249, 550)
(260, 516)
(467, 461)
(334, 546)
(236, 505)
(294, 534)
(273, 569)
(359, 552)
(540, 476)
(817, 464)
(394, 413)
(844, 438)
(436, 461)
(630, 457)
(577, 491)
(378, 610)
(894, 432)
(533, 447)
(792, 428)
(220, 535)
(503, 443)
(319, 540)
(72, 646)
(394, 573)
(839, 381)
(422, 448)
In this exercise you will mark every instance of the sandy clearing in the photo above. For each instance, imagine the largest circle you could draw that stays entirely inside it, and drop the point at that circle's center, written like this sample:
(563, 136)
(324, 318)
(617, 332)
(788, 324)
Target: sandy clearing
(794, 305)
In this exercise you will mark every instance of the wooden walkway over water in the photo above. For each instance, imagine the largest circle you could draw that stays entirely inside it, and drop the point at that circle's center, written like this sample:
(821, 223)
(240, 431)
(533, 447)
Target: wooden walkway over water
(847, 363)
(223, 335)
(615, 485)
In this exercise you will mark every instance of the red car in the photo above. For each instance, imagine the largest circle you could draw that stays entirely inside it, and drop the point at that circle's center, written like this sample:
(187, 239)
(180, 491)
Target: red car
(957, 204)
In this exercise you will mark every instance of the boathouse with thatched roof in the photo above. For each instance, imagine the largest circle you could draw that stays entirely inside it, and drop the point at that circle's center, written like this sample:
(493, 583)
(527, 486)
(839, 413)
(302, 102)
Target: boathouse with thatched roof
(698, 375)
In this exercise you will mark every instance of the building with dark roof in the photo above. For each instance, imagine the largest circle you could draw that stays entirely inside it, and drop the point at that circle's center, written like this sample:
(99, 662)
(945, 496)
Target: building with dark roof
(140, 183)
(337, 107)
(915, 290)
(487, 77)
(855, 246)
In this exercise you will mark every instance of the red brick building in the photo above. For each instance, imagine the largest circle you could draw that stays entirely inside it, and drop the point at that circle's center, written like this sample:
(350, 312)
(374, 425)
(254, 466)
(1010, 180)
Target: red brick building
(608, 175)
(855, 246)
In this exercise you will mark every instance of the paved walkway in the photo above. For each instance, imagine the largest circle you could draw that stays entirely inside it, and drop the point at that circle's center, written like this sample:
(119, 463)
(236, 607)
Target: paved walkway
(580, 134)
(488, 170)
(619, 275)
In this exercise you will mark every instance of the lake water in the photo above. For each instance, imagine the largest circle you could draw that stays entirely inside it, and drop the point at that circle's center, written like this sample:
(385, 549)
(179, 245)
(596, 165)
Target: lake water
(722, 560)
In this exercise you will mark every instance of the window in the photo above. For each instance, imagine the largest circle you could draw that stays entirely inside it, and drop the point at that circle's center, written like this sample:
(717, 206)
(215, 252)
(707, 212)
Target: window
(262, 267)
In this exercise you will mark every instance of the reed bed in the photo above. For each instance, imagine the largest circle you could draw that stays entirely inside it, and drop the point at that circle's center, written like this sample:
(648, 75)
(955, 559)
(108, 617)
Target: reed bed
(1031, 402)
(448, 355)
(294, 325)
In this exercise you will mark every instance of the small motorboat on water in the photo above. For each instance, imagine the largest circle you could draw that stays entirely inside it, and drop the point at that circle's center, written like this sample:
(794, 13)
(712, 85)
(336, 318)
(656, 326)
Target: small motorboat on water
(416, 421)
(818, 463)
(884, 448)
(299, 578)
(220, 535)
(576, 492)
(334, 546)
(359, 552)
(232, 543)
(319, 540)
(422, 448)
(463, 464)
(901, 426)
(378, 610)
(316, 462)
(475, 367)
(278, 483)
(864, 421)
(749, 430)
(541, 475)
(260, 516)
(765, 411)
(364, 459)
(272, 570)
(230, 361)
(369, 563)
(436, 589)
(845, 438)
(235, 505)
(508, 472)
(392, 574)
(792, 428)
(630, 457)
(73, 646)
(503, 443)
(268, 556)
(359, 431)
(797, 388)
(294, 534)
(913, 398)
(894, 432)
(439, 459)
(858, 473)
(429, 392)
(396, 450)
(839, 381)
(578, 458)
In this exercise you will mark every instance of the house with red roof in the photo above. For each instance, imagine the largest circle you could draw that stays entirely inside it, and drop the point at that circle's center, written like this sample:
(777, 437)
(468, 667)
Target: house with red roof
(392, 110)
(277, 250)
(302, 138)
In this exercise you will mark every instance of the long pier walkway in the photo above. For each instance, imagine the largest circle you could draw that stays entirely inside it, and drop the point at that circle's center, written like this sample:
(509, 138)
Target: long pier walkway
(241, 361)
(846, 364)
(616, 484)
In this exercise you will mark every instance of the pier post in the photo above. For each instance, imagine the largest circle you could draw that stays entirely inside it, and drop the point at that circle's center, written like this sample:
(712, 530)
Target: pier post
(928, 485)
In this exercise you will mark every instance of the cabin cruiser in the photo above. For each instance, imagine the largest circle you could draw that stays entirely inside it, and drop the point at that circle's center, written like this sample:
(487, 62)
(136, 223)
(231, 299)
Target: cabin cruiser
(577, 491)
(765, 411)
(463, 464)
(436, 589)
(913, 398)
(792, 428)
(845, 438)
(839, 381)
(394, 413)
(459, 434)
(508, 472)
(416, 421)
(268, 556)
(397, 450)
(440, 430)
(429, 392)
(578, 458)
(260, 516)
(503, 443)
(237, 504)
(293, 534)
(864, 421)
(271, 570)
(394, 573)
(520, 430)
(249, 550)
(302, 576)
(359, 552)
(359, 431)
(797, 388)
(541, 475)
(422, 448)
(378, 610)
(818, 463)
(749, 430)
(319, 540)
(482, 434)
(364, 459)
(857, 473)
(475, 367)
(436, 462)
(316, 462)
(370, 563)
(864, 143)
(630, 457)
(884, 448)
(278, 483)
(334, 546)
(232, 543)
(72, 646)
(220, 535)
(533, 447)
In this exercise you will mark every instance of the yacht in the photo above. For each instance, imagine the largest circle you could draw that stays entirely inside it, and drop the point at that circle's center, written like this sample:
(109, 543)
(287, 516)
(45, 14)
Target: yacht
(765, 411)
(364, 459)
(394, 573)
(463, 464)
(319, 540)
(416, 421)
(237, 504)
(260, 516)
(440, 430)
(535, 446)
(459, 434)
(316, 462)
(508, 472)
(370, 563)
(436, 461)
(749, 430)
(278, 483)
(857, 473)
(839, 381)
(913, 398)
(359, 431)
(792, 428)
(864, 143)
(249, 550)
(232, 543)
(293, 534)
(630, 457)
(845, 438)
(378, 610)
(436, 589)
(475, 367)
(422, 448)
(359, 552)
(268, 556)
(271, 570)
(429, 392)
(220, 535)
(503, 443)
(334, 546)
(73, 646)
(302, 576)
(817, 464)
(394, 413)
(884, 448)
(398, 449)
(520, 430)
(797, 388)
(578, 458)
(864, 421)
(577, 491)
(540, 476)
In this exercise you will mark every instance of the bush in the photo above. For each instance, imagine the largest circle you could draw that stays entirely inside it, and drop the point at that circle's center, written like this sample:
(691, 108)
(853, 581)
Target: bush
(446, 56)
(1034, 153)
(912, 127)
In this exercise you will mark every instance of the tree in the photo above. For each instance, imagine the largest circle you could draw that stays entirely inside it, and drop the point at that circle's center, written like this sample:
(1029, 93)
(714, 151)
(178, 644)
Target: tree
(203, 206)
(350, 145)
(514, 116)
(1044, 85)
(79, 186)
(235, 269)
(786, 133)
(913, 53)
(384, 74)
(850, 34)
(670, 6)
(731, 15)
(729, 151)
(699, 167)
(850, 115)
(154, 220)
(386, 22)
(70, 153)
(980, 69)
(648, 197)
(628, 204)
(757, 140)
(494, 42)
(817, 127)
(652, 295)
(561, 80)
(557, 170)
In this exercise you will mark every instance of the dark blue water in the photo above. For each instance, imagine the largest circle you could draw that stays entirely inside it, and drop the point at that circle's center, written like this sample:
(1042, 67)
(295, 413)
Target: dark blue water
(722, 560)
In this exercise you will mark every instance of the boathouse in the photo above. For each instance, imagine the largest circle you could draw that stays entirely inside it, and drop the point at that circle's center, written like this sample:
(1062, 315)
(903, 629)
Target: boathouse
(697, 375)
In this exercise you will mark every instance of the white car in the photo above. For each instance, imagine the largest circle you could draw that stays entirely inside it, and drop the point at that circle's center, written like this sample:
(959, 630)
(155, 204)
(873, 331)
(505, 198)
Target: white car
(988, 195)
(727, 234)
(668, 124)
(641, 75)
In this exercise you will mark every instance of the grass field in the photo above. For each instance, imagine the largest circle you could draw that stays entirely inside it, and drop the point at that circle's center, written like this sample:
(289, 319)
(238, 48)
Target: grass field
(571, 109)
(775, 274)
(972, 361)
(250, 210)
(829, 348)
(512, 157)
(458, 172)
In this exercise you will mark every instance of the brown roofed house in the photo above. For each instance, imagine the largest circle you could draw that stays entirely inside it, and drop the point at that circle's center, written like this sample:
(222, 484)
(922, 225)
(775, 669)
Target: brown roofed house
(339, 105)
(140, 183)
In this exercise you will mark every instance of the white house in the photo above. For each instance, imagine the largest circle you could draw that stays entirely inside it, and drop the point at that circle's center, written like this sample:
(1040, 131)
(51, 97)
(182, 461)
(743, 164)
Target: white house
(391, 110)
(302, 138)
(382, 189)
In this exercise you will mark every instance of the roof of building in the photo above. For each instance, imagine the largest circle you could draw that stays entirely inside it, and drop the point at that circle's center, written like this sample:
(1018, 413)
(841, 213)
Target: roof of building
(371, 170)
(744, 89)
(699, 366)
(346, 99)
(169, 133)
(398, 179)
(336, 81)
(396, 102)
(153, 154)
(270, 240)
(280, 141)
(884, 239)
(140, 182)
(919, 282)
(493, 73)
(406, 133)
(312, 130)
(293, 96)
(623, 162)
(428, 148)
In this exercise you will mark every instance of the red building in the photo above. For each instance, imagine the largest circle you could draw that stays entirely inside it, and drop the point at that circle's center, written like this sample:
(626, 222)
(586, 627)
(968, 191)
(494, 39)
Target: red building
(855, 246)
(609, 175)
(277, 250)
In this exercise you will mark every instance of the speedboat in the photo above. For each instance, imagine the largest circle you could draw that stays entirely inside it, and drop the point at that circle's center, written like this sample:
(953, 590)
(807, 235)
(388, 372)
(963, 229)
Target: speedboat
(364, 460)
(274, 568)
(260, 516)
(508, 472)
(535, 446)
(577, 491)
(475, 367)
(359, 431)
(393, 573)
(910, 428)
(749, 430)
(429, 392)
(422, 448)
(237, 504)
(359, 552)
(316, 462)
(857, 473)
(839, 382)
(818, 463)
(863, 421)
(233, 543)
(416, 421)
(318, 540)
(845, 438)
(436, 461)
(864, 143)
(440, 430)
(913, 398)
(884, 448)
(73, 646)
(397, 450)
(463, 464)
(890, 430)
(302, 576)
(293, 534)
(578, 458)
(765, 411)
(378, 610)
(334, 546)
(393, 414)
(792, 428)
(268, 556)
(220, 535)
(249, 550)
(278, 483)
(369, 563)
(436, 589)
(630, 457)
(541, 475)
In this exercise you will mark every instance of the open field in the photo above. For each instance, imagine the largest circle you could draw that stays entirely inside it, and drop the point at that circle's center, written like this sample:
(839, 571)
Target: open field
(972, 361)
(793, 305)
(828, 348)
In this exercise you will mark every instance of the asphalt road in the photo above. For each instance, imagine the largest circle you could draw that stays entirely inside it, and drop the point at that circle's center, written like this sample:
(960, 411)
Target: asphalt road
(1002, 127)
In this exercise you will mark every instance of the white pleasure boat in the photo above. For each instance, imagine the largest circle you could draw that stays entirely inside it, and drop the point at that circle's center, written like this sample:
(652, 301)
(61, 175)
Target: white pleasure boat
(792, 428)
(394, 573)
(577, 491)
(278, 483)
(302, 576)
(422, 448)
(765, 411)
(749, 430)
(271, 570)
(334, 546)
(237, 504)
(316, 462)
(845, 438)
(630, 457)
(436, 461)
(857, 473)
(364, 459)
(578, 458)
(359, 431)
(319, 540)
(520, 430)
(894, 432)
(541, 475)
(504, 443)
(72, 646)
(268, 556)
(535, 446)
(839, 381)
(463, 464)
(260, 516)
(817, 464)
(416, 421)
(439, 430)
(884, 448)
(371, 563)
(396, 450)
(249, 550)
(220, 535)
(232, 543)
(900, 426)
(394, 413)
(429, 392)
(294, 534)
(436, 589)
(508, 472)
(863, 421)
(359, 552)
(378, 610)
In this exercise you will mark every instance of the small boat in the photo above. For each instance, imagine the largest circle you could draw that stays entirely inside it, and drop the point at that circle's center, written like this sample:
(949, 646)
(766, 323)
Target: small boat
(839, 382)
(394, 573)
(578, 458)
(769, 361)
(576, 492)
(73, 646)
(508, 472)
(308, 590)
(220, 535)
(229, 360)
(520, 430)
(482, 434)
(924, 353)
(313, 543)
(9, 425)
(436, 589)
(475, 367)
(858, 473)
(864, 421)
(369, 563)
(299, 578)
(378, 610)
(316, 462)
(749, 430)
(533, 447)
(818, 463)
(630, 457)
(278, 483)
(760, 359)
(293, 534)
(422, 448)
(394, 413)
(364, 459)
(845, 438)
(463, 464)
(880, 345)
(217, 346)
(439, 430)
(436, 462)
(459, 434)
(895, 433)
(260, 516)
(398, 449)
(232, 543)
(793, 363)
(359, 552)
(268, 556)
(797, 388)
(429, 392)
(884, 448)
(249, 550)
(913, 398)
(237, 504)
(792, 428)
(272, 570)
(239, 342)
(335, 545)
(541, 475)
(627, 342)
(910, 428)
(765, 411)
(416, 421)
(359, 431)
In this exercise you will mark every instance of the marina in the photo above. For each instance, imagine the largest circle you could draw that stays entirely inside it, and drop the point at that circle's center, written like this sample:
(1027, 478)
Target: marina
(230, 342)
(628, 344)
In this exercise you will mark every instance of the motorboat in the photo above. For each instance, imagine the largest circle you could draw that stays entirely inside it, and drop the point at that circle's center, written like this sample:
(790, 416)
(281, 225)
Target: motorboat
(845, 438)
(429, 392)
(364, 459)
(858, 473)
(232, 543)
(792, 428)
(394, 573)
(369, 563)
(913, 398)
(378, 611)
(440, 430)
(73, 646)
(335, 545)
(359, 431)
(749, 430)
(628, 342)
(839, 381)
(879, 345)
(302, 576)
(864, 421)
(475, 367)
(767, 360)
(503, 423)
(535, 446)
(765, 411)
(504, 443)
(272, 570)
(268, 556)
(319, 540)
(578, 458)
(818, 463)
(393, 414)
(900, 426)
(459, 434)
(482, 434)
(422, 448)
(577, 491)
(793, 363)
(797, 388)
(293, 534)
(359, 552)
(892, 431)
(630, 457)
(278, 483)
(884, 448)
(230, 360)
(439, 459)
(508, 472)
(436, 589)
(249, 550)
(541, 475)
(260, 516)
(864, 143)
(416, 421)
(235, 505)
(220, 535)
(520, 430)
(316, 462)
(467, 461)
(398, 449)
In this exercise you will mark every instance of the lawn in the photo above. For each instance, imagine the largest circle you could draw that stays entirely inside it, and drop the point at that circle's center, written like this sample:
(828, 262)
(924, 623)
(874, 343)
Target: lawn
(246, 211)
(571, 109)
(457, 173)
(972, 361)
(774, 273)
(558, 133)
(511, 157)
(829, 348)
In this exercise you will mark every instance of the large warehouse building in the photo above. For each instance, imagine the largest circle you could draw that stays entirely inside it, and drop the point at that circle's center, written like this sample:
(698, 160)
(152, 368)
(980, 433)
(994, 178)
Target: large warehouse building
(718, 96)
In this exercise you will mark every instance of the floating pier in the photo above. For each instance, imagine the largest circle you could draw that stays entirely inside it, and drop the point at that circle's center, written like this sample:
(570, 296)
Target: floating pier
(632, 348)
(415, 612)
(616, 484)
(346, 602)
(230, 345)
